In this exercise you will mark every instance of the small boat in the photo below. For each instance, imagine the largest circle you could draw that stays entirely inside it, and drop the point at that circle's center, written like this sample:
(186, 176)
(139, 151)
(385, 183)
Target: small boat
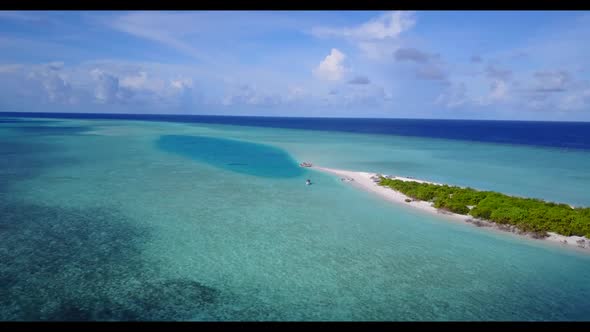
(308, 182)
(305, 164)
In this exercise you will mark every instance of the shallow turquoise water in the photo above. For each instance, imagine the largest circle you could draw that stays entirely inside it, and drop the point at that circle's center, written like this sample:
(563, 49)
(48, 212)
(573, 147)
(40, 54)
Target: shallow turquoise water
(113, 220)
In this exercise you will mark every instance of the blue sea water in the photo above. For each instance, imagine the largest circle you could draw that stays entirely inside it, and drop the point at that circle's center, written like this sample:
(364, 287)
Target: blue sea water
(571, 135)
(110, 217)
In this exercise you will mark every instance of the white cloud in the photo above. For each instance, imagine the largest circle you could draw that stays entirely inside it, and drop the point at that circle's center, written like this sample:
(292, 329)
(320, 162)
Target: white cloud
(377, 38)
(149, 85)
(331, 68)
(123, 84)
(107, 87)
(54, 82)
(387, 25)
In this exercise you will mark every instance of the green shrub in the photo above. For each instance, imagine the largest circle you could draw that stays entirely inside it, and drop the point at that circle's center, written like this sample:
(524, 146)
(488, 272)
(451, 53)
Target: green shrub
(528, 214)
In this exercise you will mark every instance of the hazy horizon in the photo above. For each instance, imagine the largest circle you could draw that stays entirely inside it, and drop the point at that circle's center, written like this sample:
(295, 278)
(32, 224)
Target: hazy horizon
(283, 116)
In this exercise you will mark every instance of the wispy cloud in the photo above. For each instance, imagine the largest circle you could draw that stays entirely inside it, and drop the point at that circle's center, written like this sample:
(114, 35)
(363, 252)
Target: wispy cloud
(387, 25)
(164, 28)
(377, 38)
(205, 36)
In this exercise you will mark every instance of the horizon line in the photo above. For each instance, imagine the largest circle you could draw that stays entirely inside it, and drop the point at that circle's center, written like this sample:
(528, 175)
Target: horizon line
(286, 116)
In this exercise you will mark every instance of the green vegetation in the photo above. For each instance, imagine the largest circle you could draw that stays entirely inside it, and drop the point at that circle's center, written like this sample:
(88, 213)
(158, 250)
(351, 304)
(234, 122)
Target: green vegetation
(527, 214)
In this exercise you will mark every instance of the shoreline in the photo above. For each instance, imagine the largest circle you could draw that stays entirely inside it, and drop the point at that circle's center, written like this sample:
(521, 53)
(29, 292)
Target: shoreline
(366, 181)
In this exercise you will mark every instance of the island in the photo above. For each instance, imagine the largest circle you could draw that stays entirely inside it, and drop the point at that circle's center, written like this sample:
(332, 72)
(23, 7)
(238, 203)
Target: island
(531, 217)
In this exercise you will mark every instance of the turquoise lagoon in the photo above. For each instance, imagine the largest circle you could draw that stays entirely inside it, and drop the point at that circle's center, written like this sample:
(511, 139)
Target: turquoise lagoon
(132, 220)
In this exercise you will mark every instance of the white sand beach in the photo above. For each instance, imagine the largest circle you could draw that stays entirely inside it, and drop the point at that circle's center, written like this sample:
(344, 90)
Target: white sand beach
(367, 181)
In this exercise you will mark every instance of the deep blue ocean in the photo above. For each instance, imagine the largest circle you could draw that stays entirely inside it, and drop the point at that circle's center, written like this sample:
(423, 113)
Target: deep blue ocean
(570, 135)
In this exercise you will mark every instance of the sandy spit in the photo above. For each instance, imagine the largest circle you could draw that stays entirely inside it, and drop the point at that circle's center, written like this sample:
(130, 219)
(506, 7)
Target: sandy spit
(367, 181)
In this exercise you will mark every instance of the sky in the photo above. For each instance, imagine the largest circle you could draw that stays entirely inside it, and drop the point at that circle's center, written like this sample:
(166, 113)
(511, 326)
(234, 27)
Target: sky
(502, 65)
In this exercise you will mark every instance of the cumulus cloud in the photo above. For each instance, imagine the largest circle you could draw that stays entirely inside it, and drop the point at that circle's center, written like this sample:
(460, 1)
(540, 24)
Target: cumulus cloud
(107, 89)
(387, 25)
(58, 89)
(138, 85)
(543, 90)
(332, 67)
(152, 86)
(361, 80)
(54, 82)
